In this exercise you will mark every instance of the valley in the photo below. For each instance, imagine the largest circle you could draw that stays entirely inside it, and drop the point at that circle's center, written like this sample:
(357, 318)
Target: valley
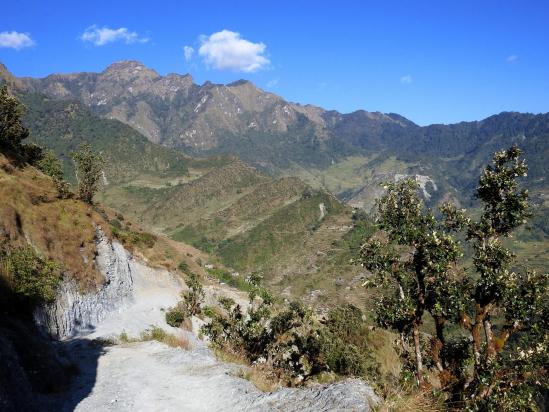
(231, 185)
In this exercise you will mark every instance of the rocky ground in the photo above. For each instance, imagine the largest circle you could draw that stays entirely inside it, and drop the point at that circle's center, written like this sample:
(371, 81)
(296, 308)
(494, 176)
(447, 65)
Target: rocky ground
(151, 376)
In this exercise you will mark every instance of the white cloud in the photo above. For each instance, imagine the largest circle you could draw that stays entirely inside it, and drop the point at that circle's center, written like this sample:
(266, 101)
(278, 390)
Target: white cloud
(15, 40)
(226, 50)
(188, 52)
(272, 83)
(512, 58)
(104, 35)
(407, 79)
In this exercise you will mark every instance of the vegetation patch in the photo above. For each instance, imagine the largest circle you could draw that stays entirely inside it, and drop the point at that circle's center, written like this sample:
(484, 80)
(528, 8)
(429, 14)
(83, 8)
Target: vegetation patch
(234, 280)
(286, 342)
(29, 275)
(132, 238)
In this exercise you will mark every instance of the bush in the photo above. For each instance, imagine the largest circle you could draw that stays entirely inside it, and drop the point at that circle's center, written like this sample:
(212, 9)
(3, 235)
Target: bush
(50, 165)
(29, 275)
(345, 321)
(193, 298)
(131, 238)
(160, 335)
(288, 339)
(175, 317)
(183, 267)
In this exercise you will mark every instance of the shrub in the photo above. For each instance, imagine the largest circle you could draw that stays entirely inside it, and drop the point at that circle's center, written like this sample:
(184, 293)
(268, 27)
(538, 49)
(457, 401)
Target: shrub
(345, 320)
(160, 335)
(208, 311)
(175, 317)
(193, 298)
(50, 165)
(183, 266)
(30, 276)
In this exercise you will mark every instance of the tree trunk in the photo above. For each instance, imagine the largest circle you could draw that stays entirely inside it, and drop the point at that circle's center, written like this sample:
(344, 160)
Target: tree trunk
(438, 343)
(480, 315)
(419, 360)
(490, 345)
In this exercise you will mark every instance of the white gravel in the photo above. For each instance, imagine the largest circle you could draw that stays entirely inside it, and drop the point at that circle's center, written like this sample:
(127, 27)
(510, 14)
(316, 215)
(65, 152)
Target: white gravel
(150, 376)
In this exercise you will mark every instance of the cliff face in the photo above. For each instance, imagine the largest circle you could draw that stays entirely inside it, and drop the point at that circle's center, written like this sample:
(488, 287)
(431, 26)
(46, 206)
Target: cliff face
(72, 312)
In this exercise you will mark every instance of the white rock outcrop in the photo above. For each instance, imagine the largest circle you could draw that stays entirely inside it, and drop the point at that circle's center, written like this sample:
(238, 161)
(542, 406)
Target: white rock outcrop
(74, 312)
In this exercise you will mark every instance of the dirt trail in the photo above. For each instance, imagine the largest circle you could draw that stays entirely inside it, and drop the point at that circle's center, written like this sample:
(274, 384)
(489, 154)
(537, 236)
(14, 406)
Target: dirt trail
(150, 376)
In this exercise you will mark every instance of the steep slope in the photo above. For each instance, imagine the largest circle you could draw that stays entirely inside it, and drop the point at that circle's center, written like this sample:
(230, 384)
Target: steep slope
(245, 220)
(43, 240)
(63, 125)
(237, 118)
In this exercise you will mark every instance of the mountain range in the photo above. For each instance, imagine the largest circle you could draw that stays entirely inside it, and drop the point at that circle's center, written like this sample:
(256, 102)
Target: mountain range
(283, 138)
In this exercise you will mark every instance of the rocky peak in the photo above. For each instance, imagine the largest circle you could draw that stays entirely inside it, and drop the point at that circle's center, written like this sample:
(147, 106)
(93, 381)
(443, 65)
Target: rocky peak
(129, 70)
(8, 77)
(240, 82)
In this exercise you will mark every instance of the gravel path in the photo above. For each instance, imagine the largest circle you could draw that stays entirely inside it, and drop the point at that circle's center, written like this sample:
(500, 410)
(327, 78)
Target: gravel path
(150, 376)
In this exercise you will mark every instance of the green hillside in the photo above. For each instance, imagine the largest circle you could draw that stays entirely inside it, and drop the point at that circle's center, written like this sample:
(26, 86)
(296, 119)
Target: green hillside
(63, 125)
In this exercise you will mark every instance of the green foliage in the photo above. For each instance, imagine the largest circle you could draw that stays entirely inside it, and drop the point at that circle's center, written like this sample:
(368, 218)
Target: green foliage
(508, 363)
(225, 276)
(283, 231)
(64, 125)
(288, 339)
(30, 276)
(183, 266)
(89, 166)
(175, 317)
(425, 280)
(53, 167)
(132, 238)
(12, 130)
(503, 338)
(343, 342)
(193, 298)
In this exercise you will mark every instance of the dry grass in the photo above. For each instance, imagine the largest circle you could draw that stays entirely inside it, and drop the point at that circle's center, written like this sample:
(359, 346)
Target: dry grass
(159, 335)
(262, 376)
(382, 344)
(59, 229)
(415, 401)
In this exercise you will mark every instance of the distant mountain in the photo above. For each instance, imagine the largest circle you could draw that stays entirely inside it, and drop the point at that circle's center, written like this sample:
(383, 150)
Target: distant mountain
(63, 125)
(238, 118)
(349, 154)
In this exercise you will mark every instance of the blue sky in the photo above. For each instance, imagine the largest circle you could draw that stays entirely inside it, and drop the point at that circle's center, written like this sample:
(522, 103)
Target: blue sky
(433, 62)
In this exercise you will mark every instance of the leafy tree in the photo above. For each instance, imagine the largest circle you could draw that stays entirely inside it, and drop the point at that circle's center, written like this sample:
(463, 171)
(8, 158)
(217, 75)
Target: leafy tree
(12, 131)
(53, 167)
(414, 262)
(503, 315)
(502, 352)
(89, 166)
